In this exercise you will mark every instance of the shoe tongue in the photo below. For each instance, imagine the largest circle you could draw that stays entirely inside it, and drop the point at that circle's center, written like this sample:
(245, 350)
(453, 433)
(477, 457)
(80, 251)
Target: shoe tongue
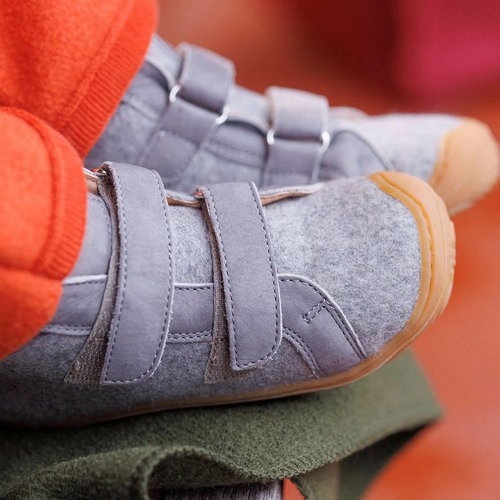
(164, 58)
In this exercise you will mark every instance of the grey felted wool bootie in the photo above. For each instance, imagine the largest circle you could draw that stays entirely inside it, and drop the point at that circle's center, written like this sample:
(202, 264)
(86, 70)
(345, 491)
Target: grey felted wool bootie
(232, 295)
(184, 117)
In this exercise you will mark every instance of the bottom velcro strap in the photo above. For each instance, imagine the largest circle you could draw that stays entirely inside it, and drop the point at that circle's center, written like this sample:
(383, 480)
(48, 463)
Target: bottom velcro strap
(144, 285)
(249, 279)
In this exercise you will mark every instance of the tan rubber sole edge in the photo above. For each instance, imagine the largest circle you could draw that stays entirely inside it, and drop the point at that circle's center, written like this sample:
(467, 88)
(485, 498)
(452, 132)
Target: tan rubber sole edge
(437, 244)
(468, 165)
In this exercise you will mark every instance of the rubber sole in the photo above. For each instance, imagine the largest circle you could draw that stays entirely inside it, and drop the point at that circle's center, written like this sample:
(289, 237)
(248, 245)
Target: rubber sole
(468, 165)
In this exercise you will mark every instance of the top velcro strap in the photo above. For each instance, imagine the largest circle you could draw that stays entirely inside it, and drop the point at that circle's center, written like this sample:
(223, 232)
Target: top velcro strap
(206, 78)
(196, 107)
(297, 136)
(143, 252)
(249, 279)
(296, 114)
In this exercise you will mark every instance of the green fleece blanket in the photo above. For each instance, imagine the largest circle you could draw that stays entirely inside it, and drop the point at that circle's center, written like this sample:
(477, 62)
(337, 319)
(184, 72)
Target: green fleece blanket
(205, 447)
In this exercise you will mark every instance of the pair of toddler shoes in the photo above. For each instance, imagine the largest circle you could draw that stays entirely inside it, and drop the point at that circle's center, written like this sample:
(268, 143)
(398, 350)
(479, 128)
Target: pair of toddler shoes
(315, 248)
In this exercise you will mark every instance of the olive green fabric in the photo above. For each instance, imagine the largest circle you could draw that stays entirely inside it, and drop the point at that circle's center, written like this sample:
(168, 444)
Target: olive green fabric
(358, 470)
(204, 447)
(348, 479)
(320, 484)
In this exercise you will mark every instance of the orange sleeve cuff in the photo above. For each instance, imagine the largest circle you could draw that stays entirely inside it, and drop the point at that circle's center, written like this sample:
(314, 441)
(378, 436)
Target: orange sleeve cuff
(42, 222)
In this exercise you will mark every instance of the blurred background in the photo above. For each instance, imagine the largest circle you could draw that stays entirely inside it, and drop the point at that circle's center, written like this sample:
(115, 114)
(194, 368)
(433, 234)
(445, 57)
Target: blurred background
(385, 56)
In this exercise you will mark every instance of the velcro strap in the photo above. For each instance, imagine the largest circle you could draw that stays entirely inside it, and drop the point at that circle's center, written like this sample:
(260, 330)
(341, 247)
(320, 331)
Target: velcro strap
(143, 300)
(206, 78)
(250, 283)
(297, 137)
(197, 104)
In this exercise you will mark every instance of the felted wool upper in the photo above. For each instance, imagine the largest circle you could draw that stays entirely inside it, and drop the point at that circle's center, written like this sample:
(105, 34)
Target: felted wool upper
(69, 63)
(408, 142)
(352, 239)
(43, 218)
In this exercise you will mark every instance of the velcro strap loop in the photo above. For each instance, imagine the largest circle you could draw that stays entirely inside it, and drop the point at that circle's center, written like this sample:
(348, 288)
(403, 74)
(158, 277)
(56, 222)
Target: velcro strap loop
(250, 283)
(143, 301)
(206, 78)
(297, 137)
(296, 114)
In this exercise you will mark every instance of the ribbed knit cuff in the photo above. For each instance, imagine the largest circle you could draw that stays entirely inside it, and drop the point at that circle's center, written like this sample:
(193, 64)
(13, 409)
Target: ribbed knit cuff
(110, 75)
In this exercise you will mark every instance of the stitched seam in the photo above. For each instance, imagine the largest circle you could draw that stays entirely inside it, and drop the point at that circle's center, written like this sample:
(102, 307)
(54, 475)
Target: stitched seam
(274, 279)
(224, 260)
(66, 327)
(343, 327)
(186, 288)
(83, 283)
(189, 335)
(125, 269)
(165, 318)
(307, 351)
(314, 311)
(217, 228)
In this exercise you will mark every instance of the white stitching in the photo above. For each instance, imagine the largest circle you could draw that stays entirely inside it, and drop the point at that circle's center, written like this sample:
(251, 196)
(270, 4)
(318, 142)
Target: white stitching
(165, 319)
(307, 351)
(83, 283)
(276, 337)
(205, 334)
(125, 258)
(67, 327)
(187, 288)
(343, 326)
(273, 275)
(217, 228)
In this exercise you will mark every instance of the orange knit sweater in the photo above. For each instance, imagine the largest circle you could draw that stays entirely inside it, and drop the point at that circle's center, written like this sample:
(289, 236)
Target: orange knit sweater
(64, 65)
